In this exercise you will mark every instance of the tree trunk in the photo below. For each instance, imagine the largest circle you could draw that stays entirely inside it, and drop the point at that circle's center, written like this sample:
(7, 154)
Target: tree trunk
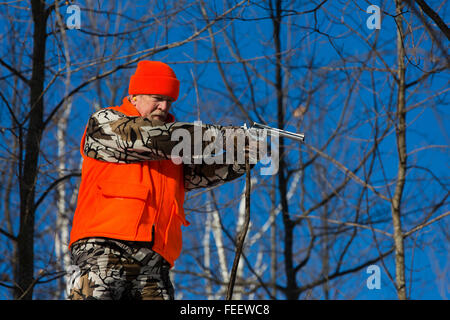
(401, 149)
(291, 285)
(25, 243)
(273, 241)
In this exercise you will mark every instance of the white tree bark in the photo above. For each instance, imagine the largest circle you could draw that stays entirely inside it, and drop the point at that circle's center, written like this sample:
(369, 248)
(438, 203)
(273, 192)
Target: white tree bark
(62, 219)
(269, 222)
(207, 254)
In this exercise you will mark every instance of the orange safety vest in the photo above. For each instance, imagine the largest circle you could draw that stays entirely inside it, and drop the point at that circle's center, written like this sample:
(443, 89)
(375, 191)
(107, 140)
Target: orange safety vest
(136, 202)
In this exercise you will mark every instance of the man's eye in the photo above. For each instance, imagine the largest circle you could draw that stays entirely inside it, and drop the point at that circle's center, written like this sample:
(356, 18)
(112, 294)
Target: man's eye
(161, 99)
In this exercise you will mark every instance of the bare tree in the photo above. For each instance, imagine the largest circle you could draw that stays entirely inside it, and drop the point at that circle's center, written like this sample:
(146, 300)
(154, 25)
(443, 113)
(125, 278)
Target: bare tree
(365, 188)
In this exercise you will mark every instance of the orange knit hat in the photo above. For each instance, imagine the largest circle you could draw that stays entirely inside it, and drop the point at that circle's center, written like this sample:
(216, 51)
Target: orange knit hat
(154, 77)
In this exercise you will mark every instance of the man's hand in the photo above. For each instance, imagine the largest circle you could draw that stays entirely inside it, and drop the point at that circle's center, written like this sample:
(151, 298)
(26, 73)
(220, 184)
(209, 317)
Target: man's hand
(248, 143)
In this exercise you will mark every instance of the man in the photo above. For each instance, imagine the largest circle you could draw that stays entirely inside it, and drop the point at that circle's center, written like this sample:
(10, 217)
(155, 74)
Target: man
(126, 231)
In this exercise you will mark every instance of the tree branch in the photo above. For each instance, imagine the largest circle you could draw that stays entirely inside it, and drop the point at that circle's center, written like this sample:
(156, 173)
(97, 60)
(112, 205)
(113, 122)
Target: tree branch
(14, 71)
(53, 185)
(434, 16)
(7, 234)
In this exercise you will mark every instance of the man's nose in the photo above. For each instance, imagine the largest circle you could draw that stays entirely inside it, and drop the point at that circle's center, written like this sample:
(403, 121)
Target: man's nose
(164, 105)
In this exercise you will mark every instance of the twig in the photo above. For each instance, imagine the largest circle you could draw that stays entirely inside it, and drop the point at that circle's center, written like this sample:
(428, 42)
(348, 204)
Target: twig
(423, 225)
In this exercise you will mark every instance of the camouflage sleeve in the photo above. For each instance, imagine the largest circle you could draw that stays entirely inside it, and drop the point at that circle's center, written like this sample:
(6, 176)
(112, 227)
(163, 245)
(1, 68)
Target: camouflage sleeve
(114, 137)
(201, 176)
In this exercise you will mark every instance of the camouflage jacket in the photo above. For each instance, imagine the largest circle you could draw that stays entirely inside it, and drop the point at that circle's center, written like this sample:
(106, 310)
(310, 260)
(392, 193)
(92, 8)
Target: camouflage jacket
(114, 137)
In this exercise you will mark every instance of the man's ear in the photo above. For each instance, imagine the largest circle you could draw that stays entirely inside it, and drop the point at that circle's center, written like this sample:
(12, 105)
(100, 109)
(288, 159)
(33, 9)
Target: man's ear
(132, 99)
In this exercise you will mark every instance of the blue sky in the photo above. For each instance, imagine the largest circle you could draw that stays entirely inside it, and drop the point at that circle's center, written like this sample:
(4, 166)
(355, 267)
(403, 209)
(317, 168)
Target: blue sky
(341, 40)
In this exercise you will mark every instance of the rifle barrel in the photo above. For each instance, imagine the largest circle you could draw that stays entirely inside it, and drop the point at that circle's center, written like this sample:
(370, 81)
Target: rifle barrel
(283, 133)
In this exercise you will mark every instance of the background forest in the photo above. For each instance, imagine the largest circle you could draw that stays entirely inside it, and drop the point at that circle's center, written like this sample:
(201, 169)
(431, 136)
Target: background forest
(368, 190)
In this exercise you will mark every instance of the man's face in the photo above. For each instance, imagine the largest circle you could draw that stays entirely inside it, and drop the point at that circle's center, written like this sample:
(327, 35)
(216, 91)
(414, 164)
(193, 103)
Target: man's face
(152, 106)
